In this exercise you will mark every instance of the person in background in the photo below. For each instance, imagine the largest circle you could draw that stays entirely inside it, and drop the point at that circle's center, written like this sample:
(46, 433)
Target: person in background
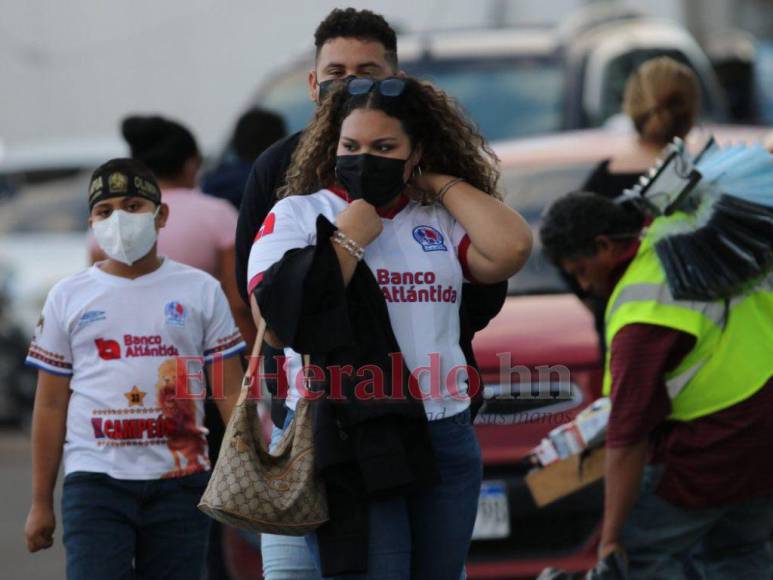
(108, 348)
(688, 471)
(662, 99)
(255, 131)
(201, 232)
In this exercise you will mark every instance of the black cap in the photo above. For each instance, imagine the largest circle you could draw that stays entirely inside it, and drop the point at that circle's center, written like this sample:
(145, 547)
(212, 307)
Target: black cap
(121, 178)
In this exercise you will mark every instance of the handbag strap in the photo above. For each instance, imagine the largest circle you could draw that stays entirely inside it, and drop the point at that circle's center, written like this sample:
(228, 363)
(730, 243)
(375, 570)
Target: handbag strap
(256, 347)
(254, 360)
(306, 379)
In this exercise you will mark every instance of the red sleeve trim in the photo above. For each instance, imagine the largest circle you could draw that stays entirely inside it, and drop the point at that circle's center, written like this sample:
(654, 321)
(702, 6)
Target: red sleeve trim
(464, 246)
(225, 346)
(254, 281)
(36, 354)
(267, 227)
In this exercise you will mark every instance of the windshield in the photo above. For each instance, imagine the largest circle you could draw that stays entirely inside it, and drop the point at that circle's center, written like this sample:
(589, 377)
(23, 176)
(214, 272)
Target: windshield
(530, 192)
(507, 98)
(512, 97)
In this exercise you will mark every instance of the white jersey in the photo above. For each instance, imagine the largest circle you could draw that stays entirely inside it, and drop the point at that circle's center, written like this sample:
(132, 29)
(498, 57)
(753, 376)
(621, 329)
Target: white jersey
(419, 262)
(119, 340)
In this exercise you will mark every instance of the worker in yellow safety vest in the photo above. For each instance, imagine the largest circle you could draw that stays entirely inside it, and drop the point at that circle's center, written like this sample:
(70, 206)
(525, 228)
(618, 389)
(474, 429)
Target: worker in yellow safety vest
(689, 474)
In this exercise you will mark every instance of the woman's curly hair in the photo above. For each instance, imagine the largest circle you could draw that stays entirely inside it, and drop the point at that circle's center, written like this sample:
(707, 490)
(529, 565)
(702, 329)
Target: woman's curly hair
(451, 143)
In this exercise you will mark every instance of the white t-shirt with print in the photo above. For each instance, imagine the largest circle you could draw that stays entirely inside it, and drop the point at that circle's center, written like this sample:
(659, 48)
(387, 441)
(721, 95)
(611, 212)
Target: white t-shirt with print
(122, 342)
(419, 262)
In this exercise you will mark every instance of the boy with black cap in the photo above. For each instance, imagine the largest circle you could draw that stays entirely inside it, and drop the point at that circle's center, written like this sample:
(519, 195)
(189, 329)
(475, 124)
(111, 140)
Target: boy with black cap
(120, 349)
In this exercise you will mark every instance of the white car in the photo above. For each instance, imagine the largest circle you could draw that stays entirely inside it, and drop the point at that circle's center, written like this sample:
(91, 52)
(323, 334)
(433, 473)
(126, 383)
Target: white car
(523, 81)
(43, 213)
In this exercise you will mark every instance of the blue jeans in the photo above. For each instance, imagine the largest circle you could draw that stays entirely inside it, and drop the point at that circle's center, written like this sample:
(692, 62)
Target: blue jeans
(286, 557)
(720, 543)
(118, 529)
(427, 535)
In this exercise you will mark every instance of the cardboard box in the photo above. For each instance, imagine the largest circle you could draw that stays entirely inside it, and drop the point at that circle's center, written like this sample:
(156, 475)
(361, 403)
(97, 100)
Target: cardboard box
(559, 479)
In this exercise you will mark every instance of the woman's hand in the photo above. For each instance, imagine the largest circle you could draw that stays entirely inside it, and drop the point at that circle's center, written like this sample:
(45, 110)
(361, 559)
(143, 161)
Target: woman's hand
(39, 529)
(501, 240)
(360, 222)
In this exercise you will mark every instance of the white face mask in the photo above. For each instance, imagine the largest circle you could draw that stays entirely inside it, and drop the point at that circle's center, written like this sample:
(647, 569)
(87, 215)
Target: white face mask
(127, 237)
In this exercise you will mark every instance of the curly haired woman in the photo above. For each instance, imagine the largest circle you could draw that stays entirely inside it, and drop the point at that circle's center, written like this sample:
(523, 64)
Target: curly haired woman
(390, 204)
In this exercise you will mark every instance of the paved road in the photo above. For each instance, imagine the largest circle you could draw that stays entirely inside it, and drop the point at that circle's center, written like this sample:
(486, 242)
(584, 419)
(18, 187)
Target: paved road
(15, 493)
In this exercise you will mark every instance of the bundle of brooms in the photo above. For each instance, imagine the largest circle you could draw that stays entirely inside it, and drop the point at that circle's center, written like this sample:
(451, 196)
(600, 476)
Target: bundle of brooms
(715, 238)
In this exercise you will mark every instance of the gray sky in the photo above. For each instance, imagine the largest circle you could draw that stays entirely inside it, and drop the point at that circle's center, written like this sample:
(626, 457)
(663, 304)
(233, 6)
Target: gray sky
(73, 68)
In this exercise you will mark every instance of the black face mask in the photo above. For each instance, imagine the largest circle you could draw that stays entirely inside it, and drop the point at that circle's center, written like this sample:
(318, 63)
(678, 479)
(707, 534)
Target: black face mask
(377, 180)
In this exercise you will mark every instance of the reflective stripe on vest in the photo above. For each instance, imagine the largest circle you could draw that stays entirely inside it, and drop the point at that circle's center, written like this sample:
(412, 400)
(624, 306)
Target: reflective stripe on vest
(661, 294)
(733, 353)
(675, 384)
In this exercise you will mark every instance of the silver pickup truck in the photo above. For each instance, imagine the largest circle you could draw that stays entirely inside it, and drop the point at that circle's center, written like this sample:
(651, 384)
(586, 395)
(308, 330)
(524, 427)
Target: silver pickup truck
(522, 81)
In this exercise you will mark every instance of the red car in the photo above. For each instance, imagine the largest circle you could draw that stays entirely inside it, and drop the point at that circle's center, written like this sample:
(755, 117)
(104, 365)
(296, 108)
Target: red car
(543, 345)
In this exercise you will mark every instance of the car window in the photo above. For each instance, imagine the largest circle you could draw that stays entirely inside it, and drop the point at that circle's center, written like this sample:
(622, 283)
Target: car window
(43, 202)
(288, 95)
(530, 192)
(763, 74)
(505, 97)
(620, 69)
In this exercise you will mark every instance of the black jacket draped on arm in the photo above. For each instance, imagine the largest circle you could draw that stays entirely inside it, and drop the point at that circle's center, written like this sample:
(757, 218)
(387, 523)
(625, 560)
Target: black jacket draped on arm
(365, 448)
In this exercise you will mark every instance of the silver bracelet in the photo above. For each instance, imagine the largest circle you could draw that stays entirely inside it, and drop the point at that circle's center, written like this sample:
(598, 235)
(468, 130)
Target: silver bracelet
(446, 187)
(348, 244)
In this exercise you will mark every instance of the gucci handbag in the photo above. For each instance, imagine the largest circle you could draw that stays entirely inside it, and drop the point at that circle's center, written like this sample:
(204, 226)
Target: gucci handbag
(252, 489)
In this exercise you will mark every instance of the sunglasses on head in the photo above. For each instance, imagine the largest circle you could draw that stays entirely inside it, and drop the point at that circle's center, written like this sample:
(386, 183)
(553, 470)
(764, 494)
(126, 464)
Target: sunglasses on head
(391, 87)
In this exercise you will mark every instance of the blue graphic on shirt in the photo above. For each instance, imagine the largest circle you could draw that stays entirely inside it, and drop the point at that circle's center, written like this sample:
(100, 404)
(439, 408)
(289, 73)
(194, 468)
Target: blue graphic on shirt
(429, 238)
(91, 316)
(175, 313)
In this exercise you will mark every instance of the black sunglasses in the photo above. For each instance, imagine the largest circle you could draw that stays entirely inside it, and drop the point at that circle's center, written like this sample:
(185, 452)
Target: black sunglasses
(391, 87)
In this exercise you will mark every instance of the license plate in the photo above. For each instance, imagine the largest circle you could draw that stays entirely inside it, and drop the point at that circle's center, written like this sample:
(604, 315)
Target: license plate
(493, 519)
